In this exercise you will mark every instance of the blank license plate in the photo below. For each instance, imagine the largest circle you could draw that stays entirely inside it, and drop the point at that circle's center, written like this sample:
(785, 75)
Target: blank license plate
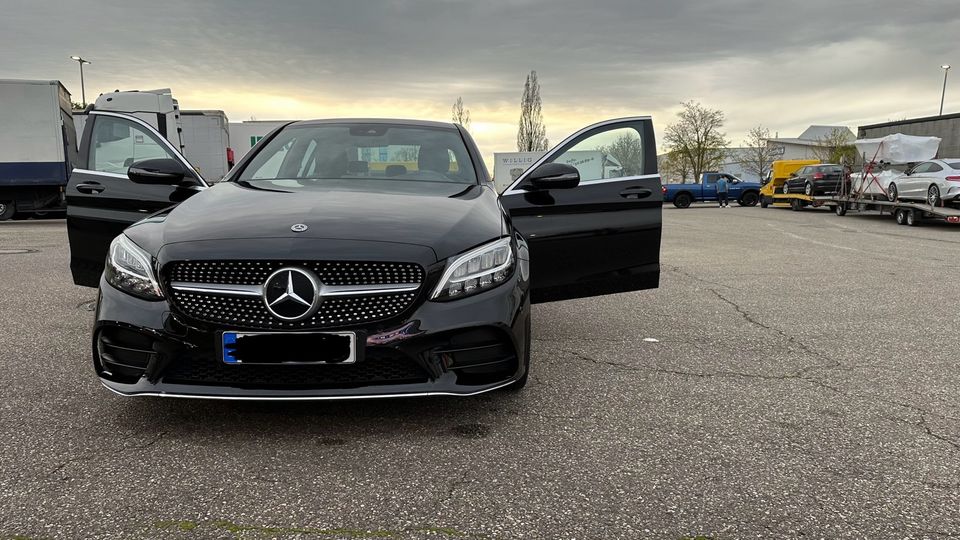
(277, 348)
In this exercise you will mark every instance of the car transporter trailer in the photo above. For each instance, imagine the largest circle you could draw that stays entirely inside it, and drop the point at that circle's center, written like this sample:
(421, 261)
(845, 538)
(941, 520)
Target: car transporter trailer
(906, 213)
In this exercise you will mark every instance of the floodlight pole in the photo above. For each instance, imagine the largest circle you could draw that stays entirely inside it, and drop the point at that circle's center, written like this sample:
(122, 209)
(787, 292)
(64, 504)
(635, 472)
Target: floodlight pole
(83, 91)
(943, 94)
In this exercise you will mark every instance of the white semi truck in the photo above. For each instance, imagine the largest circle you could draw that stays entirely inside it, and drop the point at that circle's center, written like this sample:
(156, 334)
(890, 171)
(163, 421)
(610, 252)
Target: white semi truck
(203, 136)
(38, 146)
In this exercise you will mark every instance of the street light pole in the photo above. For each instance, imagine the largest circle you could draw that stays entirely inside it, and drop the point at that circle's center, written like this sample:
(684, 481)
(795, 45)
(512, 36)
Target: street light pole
(943, 94)
(83, 92)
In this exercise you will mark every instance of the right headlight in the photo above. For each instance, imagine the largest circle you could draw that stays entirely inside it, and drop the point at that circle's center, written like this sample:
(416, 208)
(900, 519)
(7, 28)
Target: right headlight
(128, 268)
(476, 271)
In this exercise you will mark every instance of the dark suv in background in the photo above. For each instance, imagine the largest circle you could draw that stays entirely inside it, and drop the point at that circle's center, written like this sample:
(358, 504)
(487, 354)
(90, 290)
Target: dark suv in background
(823, 179)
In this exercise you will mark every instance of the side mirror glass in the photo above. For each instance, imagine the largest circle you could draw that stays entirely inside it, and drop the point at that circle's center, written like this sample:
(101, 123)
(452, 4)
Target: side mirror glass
(164, 171)
(555, 176)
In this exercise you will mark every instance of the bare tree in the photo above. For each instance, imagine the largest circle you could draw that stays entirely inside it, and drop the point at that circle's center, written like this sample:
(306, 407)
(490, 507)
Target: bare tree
(756, 157)
(835, 147)
(532, 135)
(626, 149)
(674, 166)
(697, 137)
(461, 115)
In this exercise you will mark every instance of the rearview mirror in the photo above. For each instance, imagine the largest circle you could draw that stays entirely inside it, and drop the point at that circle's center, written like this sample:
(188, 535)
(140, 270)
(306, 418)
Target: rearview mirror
(555, 176)
(164, 171)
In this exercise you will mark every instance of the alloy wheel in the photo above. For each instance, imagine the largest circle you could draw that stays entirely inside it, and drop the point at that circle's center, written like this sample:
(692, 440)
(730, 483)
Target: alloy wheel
(892, 192)
(933, 195)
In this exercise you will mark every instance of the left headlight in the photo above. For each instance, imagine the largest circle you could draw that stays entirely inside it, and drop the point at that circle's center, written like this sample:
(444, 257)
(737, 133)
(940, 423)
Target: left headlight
(476, 271)
(128, 268)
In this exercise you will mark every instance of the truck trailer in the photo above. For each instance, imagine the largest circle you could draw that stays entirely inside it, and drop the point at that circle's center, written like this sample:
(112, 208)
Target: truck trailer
(38, 146)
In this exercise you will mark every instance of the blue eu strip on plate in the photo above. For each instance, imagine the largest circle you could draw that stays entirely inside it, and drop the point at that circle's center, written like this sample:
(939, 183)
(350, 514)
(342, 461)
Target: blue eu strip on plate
(229, 347)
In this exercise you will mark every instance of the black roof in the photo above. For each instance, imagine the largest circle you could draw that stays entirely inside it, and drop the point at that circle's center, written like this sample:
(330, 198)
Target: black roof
(912, 121)
(401, 122)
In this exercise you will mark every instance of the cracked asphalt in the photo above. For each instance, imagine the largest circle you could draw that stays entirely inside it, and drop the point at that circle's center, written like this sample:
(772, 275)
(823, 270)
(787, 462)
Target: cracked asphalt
(803, 382)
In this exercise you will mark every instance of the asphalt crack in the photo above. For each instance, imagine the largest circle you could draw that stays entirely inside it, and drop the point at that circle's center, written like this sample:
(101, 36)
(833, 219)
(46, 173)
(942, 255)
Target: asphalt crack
(678, 270)
(926, 427)
(830, 363)
(118, 451)
(702, 374)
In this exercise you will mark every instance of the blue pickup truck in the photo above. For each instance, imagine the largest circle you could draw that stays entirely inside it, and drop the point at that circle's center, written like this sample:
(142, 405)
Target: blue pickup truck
(683, 195)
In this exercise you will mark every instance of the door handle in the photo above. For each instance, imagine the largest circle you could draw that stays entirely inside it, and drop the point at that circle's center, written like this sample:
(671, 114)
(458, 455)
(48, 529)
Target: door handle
(90, 187)
(636, 193)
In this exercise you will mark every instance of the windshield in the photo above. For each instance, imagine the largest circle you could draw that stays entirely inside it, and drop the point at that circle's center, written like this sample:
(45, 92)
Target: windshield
(310, 154)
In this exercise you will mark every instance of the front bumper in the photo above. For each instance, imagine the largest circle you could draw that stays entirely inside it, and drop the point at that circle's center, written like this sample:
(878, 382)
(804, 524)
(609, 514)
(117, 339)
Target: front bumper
(462, 347)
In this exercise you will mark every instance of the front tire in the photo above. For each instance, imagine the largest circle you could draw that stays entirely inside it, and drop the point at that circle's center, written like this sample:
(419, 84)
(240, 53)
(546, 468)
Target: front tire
(840, 209)
(748, 199)
(7, 210)
(892, 192)
(786, 188)
(933, 195)
(682, 200)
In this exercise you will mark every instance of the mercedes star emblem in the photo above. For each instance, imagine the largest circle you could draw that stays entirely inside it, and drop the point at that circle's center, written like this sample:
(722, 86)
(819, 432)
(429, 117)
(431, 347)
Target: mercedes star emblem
(299, 227)
(291, 294)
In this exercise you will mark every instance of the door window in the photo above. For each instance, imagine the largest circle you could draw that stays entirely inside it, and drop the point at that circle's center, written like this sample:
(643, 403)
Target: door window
(615, 153)
(924, 168)
(118, 143)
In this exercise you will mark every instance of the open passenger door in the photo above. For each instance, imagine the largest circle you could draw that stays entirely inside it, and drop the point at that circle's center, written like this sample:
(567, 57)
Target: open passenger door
(125, 171)
(600, 235)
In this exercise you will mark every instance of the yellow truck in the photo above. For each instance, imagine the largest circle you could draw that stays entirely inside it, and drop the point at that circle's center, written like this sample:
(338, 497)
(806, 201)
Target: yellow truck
(772, 191)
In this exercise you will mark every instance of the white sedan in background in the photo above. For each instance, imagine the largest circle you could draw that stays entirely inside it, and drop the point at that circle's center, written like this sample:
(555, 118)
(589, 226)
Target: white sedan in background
(937, 182)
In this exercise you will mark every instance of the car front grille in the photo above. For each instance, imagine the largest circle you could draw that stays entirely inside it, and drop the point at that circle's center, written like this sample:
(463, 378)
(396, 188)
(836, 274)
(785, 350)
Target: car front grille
(379, 367)
(329, 272)
(249, 311)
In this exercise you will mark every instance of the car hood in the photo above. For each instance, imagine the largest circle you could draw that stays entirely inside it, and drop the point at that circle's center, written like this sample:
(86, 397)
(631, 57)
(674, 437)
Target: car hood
(445, 217)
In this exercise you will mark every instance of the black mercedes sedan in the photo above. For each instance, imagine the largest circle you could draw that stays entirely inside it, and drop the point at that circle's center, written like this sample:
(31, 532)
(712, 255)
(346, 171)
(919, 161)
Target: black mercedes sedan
(813, 180)
(347, 258)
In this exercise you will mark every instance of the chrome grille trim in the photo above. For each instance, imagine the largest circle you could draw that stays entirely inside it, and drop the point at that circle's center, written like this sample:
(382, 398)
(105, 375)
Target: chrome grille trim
(215, 288)
(362, 290)
(325, 290)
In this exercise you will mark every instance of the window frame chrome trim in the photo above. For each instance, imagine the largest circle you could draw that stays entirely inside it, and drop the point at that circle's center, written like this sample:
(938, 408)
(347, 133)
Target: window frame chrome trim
(179, 156)
(512, 188)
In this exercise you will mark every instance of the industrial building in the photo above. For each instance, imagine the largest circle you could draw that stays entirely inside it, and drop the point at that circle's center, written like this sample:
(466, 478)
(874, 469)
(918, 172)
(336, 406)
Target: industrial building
(946, 126)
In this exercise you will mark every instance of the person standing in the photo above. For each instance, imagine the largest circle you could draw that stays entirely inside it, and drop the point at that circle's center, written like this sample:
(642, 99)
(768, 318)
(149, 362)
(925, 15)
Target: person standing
(722, 192)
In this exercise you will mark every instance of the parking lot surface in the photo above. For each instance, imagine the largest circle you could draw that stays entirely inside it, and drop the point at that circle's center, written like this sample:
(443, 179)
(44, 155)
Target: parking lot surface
(795, 375)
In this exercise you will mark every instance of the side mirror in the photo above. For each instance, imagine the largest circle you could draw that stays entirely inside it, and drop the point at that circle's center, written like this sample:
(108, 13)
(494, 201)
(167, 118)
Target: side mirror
(793, 175)
(555, 176)
(163, 171)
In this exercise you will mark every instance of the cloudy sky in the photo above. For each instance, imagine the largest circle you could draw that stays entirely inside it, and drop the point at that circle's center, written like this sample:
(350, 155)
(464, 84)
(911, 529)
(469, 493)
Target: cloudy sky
(783, 64)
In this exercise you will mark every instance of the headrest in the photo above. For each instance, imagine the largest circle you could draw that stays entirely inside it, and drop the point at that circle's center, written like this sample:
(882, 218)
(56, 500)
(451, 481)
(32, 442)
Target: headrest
(433, 158)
